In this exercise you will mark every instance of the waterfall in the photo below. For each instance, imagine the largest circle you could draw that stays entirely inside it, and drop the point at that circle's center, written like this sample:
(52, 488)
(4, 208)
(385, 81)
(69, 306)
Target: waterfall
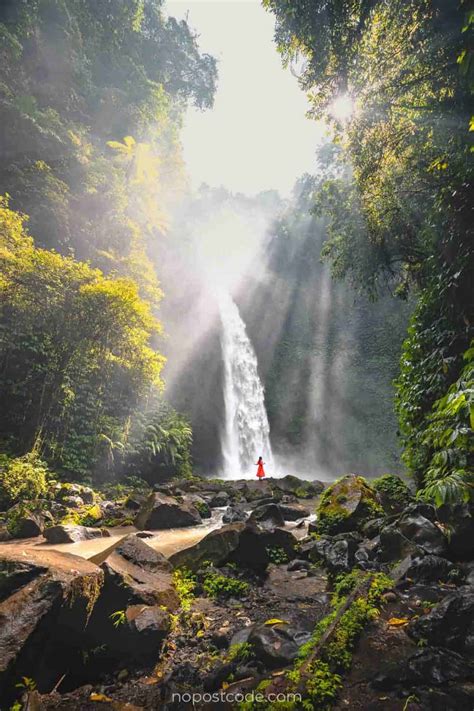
(246, 432)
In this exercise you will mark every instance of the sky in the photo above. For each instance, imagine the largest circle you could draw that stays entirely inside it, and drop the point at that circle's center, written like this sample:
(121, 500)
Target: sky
(257, 136)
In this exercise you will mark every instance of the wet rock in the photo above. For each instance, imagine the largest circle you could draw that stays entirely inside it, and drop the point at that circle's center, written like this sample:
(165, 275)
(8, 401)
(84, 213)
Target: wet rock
(340, 555)
(301, 488)
(145, 534)
(200, 504)
(394, 495)
(254, 544)
(219, 674)
(69, 533)
(431, 666)
(276, 645)
(424, 533)
(143, 631)
(346, 505)
(220, 499)
(298, 564)
(46, 598)
(269, 516)
(72, 502)
(429, 569)
(161, 512)
(372, 527)
(233, 514)
(216, 547)
(29, 526)
(450, 623)
(394, 545)
(460, 520)
(292, 512)
(134, 573)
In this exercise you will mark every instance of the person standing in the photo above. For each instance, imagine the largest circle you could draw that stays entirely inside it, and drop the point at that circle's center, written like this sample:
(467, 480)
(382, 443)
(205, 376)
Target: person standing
(260, 470)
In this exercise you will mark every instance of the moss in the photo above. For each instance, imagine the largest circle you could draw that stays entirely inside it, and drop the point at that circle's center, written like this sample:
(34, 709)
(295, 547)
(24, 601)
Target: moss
(334, 516)
(394, 493)
(185, 583)
(86, 587)
(216, 585)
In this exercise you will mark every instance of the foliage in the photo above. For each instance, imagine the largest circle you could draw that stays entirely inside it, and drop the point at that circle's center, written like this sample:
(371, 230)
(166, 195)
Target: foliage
(22, 478)
(118, 618)
(241, 652)
(396, 190)
(333, 517)
(216, 585)
(185, 583)
(160, 442)
(393, 492)
(277, 555)
(79, 343)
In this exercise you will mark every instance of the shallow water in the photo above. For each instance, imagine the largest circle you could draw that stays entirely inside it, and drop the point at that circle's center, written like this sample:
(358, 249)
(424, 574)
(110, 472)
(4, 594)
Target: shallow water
(165, 541)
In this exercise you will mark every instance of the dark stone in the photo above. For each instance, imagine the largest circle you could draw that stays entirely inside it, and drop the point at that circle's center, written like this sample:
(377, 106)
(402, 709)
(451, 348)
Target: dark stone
(340, 555)
(29, 526)
(220, 672)
(346, 505)
(220, 499)
(429, 569)
(45, 599)
(450, 623)
(394, 545)
(254, 542)
(298, 564)
(430, 666)
(292, 512)
(145, 534)
(161, 512)
(233, 514)
(276, 645)
(133, 549)
(422, 532)
(302, 488)
(372, 527)
(143, 632)
(68, 533)
(216, 547)
(460, 520)
(268, 516)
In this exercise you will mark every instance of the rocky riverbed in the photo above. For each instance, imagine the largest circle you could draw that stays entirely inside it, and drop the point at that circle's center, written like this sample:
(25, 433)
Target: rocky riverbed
(369, 604)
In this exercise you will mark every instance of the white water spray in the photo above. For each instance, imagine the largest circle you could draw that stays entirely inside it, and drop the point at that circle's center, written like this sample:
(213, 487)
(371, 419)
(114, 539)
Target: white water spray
(246, 432)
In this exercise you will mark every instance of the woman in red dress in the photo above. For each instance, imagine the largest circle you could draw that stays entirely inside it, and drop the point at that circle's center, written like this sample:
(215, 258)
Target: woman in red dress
(260, 470)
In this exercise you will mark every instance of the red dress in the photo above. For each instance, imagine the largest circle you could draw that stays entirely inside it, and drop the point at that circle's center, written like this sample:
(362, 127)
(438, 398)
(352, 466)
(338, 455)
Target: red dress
(260, 470)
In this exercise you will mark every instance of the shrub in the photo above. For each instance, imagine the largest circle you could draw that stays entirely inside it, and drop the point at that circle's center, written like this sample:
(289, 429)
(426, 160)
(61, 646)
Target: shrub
(22, 478)
(217, 585)
(393, 492)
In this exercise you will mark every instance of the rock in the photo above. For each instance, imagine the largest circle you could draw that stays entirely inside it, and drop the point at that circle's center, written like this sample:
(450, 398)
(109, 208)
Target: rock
(69, 533)
(29, 526)
(298, 564)
(200, 504)
(394, 545)
(134, 550)
(233, 514)
(422, 532)
(276, 645)
(394, 495)
(346, 505)
(450, 623)
(301, 488)
(292, 512)
(46, 598)
(215, 547)
(340, 555)
(145, 534)
(254, 490)
(220, 499)
(268, 516)
(5, 535)
(161, 512)
(460, 520)
(255, 542)
(144, 631)
(429, 569)
(431, 666)
(72, 502)
(372, 527)
(134, 503)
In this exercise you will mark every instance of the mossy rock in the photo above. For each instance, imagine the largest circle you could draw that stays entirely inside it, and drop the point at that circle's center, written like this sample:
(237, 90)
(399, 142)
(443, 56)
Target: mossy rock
(346, 505)
(393, 493)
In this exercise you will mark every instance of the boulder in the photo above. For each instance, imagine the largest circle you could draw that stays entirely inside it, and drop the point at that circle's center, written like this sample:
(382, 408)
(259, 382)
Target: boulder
(292, 512)
(394, 545)
(298, 564)
(69, 533)
(142, 632)
(268, 516)
(29, 526)
(220, 499)
(72, 502)
(337, 553)
(423, 533)
(233, 514)
(450, 623)
(276, 645)
(346, 505)
(46, 600)
(254, 544)
(200, 504)
(301, 488)
(161, 512)
(134, 573)
(394, 495)
(215, 547)
(428, 667)
(429, 569)
(460, 521)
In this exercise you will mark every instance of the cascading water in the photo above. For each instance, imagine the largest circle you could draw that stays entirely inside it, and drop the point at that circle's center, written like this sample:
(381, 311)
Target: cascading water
(246, 432)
